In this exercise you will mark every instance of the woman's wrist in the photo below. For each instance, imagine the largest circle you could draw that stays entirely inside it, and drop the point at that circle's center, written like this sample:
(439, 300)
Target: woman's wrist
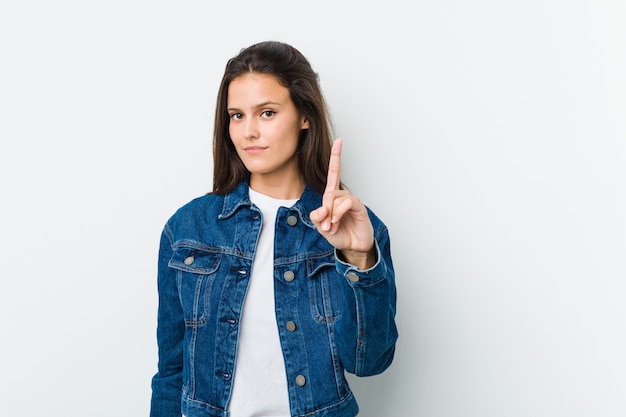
(362, 260)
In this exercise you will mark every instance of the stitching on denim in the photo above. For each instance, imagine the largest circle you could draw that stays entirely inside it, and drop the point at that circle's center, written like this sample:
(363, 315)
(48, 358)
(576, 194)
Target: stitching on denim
(305, 257)
(361, 326)
(192, 360)
(330, 407)
(325, 316)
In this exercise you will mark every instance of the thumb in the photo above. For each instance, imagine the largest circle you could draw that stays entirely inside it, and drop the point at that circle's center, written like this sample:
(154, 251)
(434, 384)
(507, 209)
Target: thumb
(318, 214)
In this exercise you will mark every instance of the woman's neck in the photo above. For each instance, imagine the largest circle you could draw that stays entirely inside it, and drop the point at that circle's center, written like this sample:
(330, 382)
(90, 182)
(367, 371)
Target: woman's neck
(281, 188)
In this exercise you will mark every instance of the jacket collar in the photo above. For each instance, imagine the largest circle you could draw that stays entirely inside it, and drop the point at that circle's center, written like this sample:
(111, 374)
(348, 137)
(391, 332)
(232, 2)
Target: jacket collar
(239, 197)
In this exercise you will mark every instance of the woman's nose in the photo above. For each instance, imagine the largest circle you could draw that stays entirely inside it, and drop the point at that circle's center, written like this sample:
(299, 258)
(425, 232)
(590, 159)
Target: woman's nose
(251, 129)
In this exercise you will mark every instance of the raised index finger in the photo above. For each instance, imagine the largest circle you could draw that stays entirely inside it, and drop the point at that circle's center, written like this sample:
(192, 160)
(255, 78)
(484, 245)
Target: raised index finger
(334, 167)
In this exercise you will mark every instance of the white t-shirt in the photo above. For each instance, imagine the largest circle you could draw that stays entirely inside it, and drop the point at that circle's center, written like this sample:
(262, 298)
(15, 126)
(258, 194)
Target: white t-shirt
(260, 384)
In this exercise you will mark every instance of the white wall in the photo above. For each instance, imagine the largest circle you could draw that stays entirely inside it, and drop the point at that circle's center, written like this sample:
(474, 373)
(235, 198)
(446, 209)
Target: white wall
(489, 135)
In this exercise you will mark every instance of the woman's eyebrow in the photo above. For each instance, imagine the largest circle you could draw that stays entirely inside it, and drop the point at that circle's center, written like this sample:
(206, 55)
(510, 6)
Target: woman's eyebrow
(257, 106)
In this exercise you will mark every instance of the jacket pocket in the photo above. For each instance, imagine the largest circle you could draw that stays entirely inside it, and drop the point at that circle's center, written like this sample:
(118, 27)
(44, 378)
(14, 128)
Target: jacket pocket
(196, 270)
(324, 289)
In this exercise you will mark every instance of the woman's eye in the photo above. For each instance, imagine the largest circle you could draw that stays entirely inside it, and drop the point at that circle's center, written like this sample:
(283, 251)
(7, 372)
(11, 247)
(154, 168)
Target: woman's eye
(268, 113)
(236, 116)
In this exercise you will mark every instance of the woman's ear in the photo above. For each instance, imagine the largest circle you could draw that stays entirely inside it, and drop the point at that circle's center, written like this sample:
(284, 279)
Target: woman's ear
(305, 124)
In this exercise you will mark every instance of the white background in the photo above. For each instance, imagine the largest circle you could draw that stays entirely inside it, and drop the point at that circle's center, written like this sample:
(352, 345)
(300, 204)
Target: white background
(489, 135)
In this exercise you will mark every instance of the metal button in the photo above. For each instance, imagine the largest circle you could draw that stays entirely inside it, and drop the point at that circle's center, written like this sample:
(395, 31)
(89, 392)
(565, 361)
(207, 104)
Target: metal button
(300, 380)
(189, 260)
(291, 326)
(292, 220)
(352, 276)
(223, 374)
(289, 276)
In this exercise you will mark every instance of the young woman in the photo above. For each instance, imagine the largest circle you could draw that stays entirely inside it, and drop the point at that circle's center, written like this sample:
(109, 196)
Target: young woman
(278, 281)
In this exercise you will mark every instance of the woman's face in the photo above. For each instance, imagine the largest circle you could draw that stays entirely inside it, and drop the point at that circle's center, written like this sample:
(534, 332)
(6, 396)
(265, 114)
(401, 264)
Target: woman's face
(264, 127)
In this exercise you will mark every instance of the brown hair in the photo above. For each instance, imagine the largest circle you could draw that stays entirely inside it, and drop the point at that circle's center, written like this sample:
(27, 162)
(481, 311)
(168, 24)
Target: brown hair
(294, 72)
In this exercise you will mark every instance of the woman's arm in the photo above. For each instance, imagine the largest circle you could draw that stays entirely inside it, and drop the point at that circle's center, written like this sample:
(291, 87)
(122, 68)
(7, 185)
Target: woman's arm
(167, 383)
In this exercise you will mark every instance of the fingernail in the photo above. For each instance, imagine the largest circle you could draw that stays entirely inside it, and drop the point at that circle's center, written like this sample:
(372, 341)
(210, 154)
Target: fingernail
(325, 226)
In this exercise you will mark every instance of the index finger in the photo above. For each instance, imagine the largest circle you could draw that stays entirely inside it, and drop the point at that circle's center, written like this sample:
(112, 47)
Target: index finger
(334, 166)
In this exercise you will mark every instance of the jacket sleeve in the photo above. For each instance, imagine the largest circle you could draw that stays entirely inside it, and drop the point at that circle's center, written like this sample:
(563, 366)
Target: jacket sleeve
(367, 332)
(167, 383)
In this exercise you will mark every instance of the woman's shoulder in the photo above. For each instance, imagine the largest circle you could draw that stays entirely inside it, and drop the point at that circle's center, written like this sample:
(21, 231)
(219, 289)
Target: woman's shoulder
(198, 207)
(202, 201)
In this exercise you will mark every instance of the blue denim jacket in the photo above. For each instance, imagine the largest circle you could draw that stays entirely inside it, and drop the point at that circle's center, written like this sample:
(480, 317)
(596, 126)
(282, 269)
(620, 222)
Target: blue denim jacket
(340, 318)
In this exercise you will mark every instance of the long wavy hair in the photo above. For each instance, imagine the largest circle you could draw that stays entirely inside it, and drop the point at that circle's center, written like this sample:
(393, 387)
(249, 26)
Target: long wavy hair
(294, 72)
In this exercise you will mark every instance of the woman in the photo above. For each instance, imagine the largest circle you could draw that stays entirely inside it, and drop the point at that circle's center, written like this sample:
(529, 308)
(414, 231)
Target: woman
(278, 281)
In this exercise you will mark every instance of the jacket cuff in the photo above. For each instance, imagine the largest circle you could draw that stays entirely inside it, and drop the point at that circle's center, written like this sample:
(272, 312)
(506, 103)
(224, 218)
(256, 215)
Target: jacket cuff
(358, 277)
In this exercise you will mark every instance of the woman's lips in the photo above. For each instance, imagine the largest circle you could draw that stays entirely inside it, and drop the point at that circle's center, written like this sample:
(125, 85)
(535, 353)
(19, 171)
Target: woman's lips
(254, 149)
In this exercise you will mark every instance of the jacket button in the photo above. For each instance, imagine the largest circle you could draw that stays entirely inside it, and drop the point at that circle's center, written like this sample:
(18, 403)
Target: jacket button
(289, 276)
(300, 380)
(352, 276)
(189, 260)
(292, 220)
(291, 326)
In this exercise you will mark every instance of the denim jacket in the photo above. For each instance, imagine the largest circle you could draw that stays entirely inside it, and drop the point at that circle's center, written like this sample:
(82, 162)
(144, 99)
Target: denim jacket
(331, 316)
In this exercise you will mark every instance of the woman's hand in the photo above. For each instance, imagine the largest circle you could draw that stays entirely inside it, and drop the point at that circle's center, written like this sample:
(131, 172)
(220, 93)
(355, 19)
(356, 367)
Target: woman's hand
(343, 220)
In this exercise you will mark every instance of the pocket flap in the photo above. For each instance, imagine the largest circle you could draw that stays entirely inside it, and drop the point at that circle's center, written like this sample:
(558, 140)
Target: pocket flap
(326, 260)
(195, 260)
